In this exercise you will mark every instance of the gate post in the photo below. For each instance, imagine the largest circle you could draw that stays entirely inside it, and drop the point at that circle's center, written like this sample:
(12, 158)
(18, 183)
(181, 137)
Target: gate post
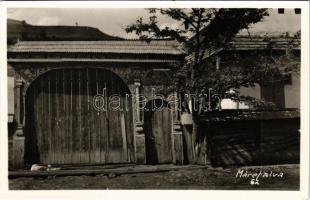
(18, 143)
(177, 134)
(138, 124)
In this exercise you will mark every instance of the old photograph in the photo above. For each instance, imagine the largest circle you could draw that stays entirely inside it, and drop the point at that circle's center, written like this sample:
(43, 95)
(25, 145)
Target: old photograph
(154, 98)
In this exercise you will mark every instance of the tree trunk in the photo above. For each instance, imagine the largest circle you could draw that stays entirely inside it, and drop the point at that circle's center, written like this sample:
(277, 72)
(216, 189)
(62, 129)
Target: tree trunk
(195, 135)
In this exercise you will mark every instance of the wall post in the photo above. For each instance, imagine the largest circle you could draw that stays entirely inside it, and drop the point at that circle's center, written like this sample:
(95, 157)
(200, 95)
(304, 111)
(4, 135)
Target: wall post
(18, 143)
(138, 124)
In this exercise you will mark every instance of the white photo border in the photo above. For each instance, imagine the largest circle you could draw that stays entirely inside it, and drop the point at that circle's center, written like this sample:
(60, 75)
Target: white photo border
(158, 194)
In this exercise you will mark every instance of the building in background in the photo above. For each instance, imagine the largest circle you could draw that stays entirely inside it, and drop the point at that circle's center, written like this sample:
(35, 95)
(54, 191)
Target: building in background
(284, 93)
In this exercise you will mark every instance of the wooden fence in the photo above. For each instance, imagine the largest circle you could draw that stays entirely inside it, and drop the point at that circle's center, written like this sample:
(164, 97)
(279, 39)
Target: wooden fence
(256, 140)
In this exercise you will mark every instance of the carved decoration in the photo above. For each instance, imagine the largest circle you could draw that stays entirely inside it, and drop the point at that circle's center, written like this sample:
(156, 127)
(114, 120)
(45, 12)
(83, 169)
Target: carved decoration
(129, 74)
(29, 74)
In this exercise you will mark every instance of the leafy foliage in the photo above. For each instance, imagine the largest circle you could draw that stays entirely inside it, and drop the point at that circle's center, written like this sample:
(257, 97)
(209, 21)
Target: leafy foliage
(204, 33)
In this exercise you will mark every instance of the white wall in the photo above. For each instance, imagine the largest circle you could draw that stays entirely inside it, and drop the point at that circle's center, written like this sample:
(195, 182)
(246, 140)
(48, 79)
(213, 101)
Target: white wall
(244, 91)
(292, 93)
(230, 104)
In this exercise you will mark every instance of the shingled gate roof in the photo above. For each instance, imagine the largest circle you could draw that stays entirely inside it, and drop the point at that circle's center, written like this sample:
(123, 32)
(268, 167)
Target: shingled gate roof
(121, 47)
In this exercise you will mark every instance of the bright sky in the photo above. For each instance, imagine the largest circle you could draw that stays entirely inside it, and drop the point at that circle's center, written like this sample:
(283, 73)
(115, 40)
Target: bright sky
(114, 20)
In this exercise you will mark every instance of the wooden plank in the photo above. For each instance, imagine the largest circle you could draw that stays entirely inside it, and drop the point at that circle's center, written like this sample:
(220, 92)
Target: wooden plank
(163, 137)
(56, 119)
(93, 116)
(107, 135)
(36, 132)
(187, 144)
(52, 116)
(119, 148)
(44, 118)
(58, 114)
(158, 134)
(97, 132)
(149, 124)
(41, 130)
(49, 135)
(103, 120)
(178, 148)
(71, 138)
(152, 148)
(84, 128)
(123, 130)
(79, 113)
(127, 112)
(109, 147)
(75, 118)
(115, 138)
(120, 139)
(89, 120)
(90, 90)
(157, 129)
(67, 117)
(63, 116)
(54, 124)
(167, 128)
(113, 156)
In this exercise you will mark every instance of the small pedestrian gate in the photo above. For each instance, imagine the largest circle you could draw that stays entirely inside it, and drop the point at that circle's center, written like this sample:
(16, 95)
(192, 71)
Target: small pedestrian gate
(157, 123)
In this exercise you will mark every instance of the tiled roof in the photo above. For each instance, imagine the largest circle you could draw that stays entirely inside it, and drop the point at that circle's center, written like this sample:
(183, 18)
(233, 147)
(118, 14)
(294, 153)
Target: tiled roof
(126, 47)
(256, 43)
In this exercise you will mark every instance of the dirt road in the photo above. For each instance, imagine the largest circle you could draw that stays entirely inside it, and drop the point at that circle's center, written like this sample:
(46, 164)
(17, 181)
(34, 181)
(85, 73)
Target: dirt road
(284, 177)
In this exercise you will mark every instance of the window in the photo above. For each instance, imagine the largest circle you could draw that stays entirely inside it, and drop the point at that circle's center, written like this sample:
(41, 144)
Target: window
(281, 10)
(274, 92)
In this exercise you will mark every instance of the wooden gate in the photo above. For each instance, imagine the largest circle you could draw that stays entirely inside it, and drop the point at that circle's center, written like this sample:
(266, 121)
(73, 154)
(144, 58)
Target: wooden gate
(157, 126)
(64, 127)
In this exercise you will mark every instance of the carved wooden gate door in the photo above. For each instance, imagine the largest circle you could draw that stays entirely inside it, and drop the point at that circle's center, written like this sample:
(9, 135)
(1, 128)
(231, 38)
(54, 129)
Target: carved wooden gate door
(65, 125)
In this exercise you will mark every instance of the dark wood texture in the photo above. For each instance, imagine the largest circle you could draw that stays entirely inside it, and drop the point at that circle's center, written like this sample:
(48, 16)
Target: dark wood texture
(158, 135)
(178, 149)
(64, 127)
(252, 142)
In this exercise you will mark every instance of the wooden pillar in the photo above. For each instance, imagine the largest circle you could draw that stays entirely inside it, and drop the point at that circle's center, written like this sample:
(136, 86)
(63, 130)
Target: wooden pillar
(177, 135)
(137, 97)
(139, 132)
(18, 143)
